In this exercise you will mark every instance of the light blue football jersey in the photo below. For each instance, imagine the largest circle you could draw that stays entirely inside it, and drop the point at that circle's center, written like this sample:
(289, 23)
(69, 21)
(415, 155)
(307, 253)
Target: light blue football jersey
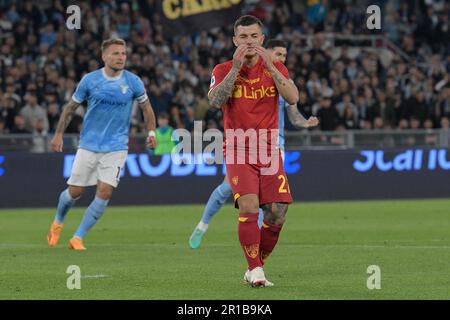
(109, 104)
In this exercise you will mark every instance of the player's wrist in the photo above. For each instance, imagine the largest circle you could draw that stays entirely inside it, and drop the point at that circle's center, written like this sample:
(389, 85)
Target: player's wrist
(151, 133)
(271, 68)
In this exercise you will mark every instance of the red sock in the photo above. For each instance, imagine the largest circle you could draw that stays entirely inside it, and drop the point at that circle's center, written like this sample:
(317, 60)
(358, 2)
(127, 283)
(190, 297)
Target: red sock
(269, 238)
(249, 237)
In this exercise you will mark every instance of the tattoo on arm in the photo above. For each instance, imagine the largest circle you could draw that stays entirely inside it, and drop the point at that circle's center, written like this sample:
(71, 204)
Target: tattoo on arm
(149, 115)
(280, 80)
(220, 94)
(66, 116)
(295, 117)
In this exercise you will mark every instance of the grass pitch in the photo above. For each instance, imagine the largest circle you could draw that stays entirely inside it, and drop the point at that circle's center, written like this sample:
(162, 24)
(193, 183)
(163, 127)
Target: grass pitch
(142, 253)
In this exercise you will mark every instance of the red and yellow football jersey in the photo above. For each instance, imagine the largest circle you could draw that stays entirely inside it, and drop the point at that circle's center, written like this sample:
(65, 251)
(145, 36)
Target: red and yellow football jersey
(254, 101)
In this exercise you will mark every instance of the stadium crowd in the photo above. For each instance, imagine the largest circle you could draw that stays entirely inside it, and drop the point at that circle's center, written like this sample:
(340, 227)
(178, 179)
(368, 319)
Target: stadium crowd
(41, 62)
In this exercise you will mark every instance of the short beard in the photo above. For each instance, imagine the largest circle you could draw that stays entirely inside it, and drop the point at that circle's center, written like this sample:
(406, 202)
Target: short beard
(116, 69)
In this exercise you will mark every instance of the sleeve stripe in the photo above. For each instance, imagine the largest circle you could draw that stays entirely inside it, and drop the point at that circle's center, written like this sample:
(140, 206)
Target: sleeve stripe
(142, 98)
(75, 99)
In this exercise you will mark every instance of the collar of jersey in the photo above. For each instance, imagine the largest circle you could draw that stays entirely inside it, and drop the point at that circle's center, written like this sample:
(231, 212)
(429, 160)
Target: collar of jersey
(111, 78)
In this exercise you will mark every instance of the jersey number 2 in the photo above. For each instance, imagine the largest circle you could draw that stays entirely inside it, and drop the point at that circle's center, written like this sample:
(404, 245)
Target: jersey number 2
(282, 186)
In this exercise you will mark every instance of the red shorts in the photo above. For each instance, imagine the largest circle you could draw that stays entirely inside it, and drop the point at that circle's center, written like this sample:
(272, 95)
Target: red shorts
(271, 185)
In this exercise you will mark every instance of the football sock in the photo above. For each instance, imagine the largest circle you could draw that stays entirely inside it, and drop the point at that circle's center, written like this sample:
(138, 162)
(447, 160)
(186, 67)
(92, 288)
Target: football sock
(249, 237)
(269, 238)
(93, 213)
(64, 204)
(216, 201)
(202, 226)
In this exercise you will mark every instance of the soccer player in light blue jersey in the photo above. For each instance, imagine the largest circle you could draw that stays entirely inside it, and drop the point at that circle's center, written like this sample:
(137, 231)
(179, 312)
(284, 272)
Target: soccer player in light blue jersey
(278, 51)
(103, 147)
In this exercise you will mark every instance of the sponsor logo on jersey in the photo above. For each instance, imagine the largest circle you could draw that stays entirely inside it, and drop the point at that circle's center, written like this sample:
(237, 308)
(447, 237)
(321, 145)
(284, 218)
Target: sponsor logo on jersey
(253, 93)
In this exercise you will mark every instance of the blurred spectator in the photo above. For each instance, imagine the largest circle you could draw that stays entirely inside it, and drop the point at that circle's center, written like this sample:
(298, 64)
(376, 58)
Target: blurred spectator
(52, 116)
(214, 115)
(2, 127)
(41, 61)
(39, 137)
(164, 134)
(327, 115)
(19, 126)
(32, 113)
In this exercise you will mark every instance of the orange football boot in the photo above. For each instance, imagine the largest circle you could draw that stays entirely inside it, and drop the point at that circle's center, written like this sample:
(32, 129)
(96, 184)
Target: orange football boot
(76, 244)
(54, 233)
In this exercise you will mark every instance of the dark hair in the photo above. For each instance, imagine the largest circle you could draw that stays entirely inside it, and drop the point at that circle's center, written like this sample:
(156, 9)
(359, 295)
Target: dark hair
(273, 43)
(163, 115)
(109, 42)
(247, 20)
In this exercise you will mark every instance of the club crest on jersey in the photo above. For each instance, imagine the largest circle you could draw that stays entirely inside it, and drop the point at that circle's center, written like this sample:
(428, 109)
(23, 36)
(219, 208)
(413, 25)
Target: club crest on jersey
(235, 180)
(267, 73)
(124, 88)
(252, 251)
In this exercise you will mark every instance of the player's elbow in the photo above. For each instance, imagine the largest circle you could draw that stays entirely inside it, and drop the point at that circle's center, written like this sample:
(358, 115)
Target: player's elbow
(292, 99)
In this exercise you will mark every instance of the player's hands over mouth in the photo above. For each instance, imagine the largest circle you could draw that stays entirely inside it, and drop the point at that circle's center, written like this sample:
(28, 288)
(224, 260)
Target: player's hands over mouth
(239, 56)
(151, 142)
(265, 55)
(57, 143)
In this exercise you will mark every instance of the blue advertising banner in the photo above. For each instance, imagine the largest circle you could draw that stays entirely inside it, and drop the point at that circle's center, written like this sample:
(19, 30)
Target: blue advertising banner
(35, 180)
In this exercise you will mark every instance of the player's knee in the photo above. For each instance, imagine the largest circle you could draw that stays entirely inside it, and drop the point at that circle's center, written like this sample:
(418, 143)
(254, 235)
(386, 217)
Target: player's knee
(104, 193)
(248, 206)
(248, 203)
(75, 192)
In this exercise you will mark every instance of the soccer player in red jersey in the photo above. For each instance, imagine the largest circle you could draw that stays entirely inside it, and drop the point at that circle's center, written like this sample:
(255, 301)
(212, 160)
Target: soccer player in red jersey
(247, 88)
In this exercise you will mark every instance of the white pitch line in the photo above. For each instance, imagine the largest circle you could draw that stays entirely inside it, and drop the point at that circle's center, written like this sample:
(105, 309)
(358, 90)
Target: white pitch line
(95, 276)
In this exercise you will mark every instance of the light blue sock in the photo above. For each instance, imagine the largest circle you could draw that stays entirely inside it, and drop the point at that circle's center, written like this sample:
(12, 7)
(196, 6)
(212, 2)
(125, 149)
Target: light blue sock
(65, 203)
(93, 213)
(216, 201)
(260, 217)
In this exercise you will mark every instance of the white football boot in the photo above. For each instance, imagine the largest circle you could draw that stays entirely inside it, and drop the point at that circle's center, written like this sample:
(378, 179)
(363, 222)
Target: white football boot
(256, 278)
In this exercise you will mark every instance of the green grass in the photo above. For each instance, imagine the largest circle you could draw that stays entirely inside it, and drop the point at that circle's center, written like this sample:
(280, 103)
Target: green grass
(323, 253)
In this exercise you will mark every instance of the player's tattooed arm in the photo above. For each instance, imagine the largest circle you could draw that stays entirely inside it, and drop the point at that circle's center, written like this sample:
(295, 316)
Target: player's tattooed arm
(64, 120)
(149, 115)
(220, 94)
(297, 119)
(150, 120)
(285, 87)
(66, 116)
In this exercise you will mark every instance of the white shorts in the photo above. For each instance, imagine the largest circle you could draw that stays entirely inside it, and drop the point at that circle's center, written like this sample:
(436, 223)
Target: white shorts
(89, 167)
